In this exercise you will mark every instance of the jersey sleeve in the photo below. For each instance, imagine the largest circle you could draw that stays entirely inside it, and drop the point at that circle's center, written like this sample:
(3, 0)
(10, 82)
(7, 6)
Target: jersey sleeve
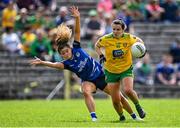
(102, 42)
(134, 39)
(65, 65)
(76, 44)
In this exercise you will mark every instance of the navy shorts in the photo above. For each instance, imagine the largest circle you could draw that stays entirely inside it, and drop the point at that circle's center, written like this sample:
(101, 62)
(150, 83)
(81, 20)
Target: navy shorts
(100, 82)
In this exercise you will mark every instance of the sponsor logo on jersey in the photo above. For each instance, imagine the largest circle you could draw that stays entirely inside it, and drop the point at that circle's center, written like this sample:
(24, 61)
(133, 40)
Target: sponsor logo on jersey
(117, 53)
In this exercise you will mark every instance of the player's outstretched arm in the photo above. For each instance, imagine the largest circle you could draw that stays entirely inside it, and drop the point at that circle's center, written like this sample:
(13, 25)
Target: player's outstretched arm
(76, 14)
(102, 58)
(38, 61)
(98, 48)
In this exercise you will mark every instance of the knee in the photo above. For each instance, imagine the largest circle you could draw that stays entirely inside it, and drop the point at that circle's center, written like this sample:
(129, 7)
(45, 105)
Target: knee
(86, 93)
(128, 90)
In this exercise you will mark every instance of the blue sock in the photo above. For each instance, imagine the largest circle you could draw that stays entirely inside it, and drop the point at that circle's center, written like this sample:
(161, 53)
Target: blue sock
(93, 115)
(133, 115)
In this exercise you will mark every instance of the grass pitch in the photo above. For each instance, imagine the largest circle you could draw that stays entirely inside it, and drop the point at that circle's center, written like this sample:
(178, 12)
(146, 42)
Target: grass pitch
(73, 113)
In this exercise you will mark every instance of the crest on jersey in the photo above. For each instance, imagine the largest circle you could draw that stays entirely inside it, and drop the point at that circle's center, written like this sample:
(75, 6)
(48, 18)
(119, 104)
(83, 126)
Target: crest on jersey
(124, 44)
(77, 54)
(118, 45)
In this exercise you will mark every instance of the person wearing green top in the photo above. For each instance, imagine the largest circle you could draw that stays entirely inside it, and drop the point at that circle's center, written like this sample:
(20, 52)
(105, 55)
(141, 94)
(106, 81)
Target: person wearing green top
(41, 47)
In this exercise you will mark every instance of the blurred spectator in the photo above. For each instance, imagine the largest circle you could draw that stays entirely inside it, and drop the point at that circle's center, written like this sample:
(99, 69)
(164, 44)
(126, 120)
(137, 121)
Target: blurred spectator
(28, 4)
(144, 71)
(92, 26)
(154, 11)
(55, 55)
(175, 51)
(3, 4)
(117, 4)
(9, 16)
(22, 21)
(28, 37)
(108, 21)
(171, 11)
(11, 41)
(137, 9)
(41, 47)
(105, 6)
(178, 75)
(38, 20)
(165, 71)
(46, 3)
(63, 16)
(49, 23)
(125, 14)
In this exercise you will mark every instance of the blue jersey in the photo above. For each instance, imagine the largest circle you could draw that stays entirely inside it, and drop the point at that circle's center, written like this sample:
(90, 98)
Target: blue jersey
(166, 71)
(82, 64)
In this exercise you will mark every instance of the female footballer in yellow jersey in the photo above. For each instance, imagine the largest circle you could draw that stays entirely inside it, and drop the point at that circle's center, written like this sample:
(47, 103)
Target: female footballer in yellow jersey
(118, 61)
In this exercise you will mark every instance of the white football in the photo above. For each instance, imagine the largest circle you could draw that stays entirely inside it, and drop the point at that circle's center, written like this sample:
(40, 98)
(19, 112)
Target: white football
(138, 49)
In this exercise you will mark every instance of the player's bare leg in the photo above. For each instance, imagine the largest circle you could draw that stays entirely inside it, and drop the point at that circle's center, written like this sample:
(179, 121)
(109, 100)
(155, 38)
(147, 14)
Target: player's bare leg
(128, 89)
(125, 103)
(113, 90)
(87, 89)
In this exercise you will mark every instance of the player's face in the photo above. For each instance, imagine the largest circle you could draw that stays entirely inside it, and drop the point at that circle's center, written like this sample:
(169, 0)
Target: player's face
(117, 30)
(66, 53)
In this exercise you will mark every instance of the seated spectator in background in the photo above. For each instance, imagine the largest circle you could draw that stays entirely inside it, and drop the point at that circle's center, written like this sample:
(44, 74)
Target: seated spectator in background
(38, 20)
(45, 3)
(143, 71)
(175, 51)
(92, 26)
(49, 23)
(137, 9)
(63, 16)
(28, 4)
(108, 20)
(55, 55)
(3, 4)
(117, 4)
(105, 5)
(41, 47)
(11, 41)
(125, 14)
(22, 21)
(171, 11)
(154, 11)
(9, 16)
(165, 71)
(28, 37)
(178, 75)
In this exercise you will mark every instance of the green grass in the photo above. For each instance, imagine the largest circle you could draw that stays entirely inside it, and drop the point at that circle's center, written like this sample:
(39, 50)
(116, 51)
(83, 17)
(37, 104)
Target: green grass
(73, 113)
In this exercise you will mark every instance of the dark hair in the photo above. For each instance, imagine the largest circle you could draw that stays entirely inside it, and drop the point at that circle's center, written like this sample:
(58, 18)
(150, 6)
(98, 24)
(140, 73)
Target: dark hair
(120, 22)
(62, 45)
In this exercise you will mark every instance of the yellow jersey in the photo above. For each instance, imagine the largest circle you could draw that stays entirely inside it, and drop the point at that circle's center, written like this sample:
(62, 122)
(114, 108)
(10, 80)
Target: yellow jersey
(118, 51)
(27, 40)
(8, 18)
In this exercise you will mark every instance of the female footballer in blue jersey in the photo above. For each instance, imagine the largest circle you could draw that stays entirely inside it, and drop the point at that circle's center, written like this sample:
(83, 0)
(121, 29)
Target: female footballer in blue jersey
(85, 67)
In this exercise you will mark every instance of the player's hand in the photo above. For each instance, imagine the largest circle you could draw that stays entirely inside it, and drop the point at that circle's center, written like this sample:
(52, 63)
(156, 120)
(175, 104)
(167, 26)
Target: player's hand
(102, 59)
(35, 61)
(74, 11)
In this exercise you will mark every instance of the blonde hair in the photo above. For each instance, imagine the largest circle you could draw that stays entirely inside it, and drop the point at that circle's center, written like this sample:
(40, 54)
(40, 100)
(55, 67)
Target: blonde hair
(63, 34)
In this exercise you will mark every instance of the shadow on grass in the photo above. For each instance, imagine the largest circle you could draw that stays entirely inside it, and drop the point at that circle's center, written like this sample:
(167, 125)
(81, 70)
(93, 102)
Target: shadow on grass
(104, 121)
